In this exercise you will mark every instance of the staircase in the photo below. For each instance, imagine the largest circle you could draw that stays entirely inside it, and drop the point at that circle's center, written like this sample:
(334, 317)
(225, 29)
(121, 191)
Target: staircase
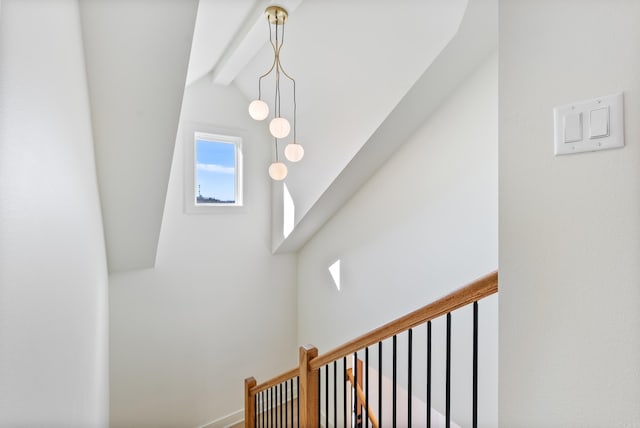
(369, 381)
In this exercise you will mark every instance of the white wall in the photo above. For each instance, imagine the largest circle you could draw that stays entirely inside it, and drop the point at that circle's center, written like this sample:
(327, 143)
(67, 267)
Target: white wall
(136, 54)
(569, 226)
(53, 277)
(423, 225)
(218, 307)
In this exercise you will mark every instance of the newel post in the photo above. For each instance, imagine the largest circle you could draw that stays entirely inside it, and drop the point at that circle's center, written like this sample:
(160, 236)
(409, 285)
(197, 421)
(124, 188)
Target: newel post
(308, 393)
(249, 403)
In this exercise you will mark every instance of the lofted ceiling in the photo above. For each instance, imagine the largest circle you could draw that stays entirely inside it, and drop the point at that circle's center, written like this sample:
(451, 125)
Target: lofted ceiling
(354, 62)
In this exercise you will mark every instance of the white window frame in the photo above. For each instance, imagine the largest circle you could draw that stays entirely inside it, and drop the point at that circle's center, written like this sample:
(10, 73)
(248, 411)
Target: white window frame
(200, 132)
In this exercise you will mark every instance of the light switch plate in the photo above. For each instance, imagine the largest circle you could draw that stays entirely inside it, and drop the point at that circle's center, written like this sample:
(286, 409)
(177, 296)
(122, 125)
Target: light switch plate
(602, 125)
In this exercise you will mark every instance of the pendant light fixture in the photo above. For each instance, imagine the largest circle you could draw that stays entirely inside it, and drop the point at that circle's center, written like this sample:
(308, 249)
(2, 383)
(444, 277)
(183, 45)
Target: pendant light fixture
(279, 126)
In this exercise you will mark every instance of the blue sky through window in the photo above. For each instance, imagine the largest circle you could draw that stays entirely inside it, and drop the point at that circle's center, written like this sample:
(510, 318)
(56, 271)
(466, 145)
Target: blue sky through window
(215, 172)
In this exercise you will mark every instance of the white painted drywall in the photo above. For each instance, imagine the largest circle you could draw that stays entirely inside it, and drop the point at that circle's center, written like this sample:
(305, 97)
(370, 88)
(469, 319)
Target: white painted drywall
(569, 226)
(137, 52)
(423, 225)
(218, 307)
(475, 39)
(53, 274)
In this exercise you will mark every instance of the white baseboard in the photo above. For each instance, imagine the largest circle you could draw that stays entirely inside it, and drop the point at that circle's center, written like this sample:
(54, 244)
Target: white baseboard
(225, 421)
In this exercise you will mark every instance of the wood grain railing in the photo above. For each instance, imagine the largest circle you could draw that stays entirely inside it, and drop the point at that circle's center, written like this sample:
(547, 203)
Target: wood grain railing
(310, 362)
(473, 292)
(275, 381)
(253, 412)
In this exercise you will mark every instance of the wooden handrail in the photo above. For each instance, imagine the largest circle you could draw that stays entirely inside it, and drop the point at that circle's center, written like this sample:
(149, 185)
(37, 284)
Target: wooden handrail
(476, 290)
(310, 362)
(363, 398)
(275, 381)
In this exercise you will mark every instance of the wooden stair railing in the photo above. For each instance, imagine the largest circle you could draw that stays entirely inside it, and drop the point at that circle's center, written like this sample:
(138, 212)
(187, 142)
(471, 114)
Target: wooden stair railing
(252, 390)
(310, 362)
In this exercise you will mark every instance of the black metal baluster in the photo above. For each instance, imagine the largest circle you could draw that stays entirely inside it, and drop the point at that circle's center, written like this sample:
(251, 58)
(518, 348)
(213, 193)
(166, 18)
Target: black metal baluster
(355, 388)
(286, 405)
(409, 375)
(448, 391)
(395, 381)
(475, 365)
(298, 400)
(366, 388)
(429, 374)
(281, 406)
(380, 383)
(344, 389)
(326, 396)
(335, 395)
(265, 414)
(291, 402)
(271, 407)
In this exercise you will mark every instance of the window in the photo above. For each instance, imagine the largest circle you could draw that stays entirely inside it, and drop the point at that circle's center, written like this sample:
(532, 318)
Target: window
(217, 170)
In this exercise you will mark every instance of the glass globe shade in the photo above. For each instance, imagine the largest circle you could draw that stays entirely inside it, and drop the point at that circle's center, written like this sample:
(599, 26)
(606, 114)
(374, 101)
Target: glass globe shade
(278, 171)
(279, 127)
(258, 109)
(294, 152)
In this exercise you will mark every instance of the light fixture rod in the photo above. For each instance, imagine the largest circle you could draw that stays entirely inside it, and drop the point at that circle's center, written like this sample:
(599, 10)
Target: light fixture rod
(294, 87)
(259, 110)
